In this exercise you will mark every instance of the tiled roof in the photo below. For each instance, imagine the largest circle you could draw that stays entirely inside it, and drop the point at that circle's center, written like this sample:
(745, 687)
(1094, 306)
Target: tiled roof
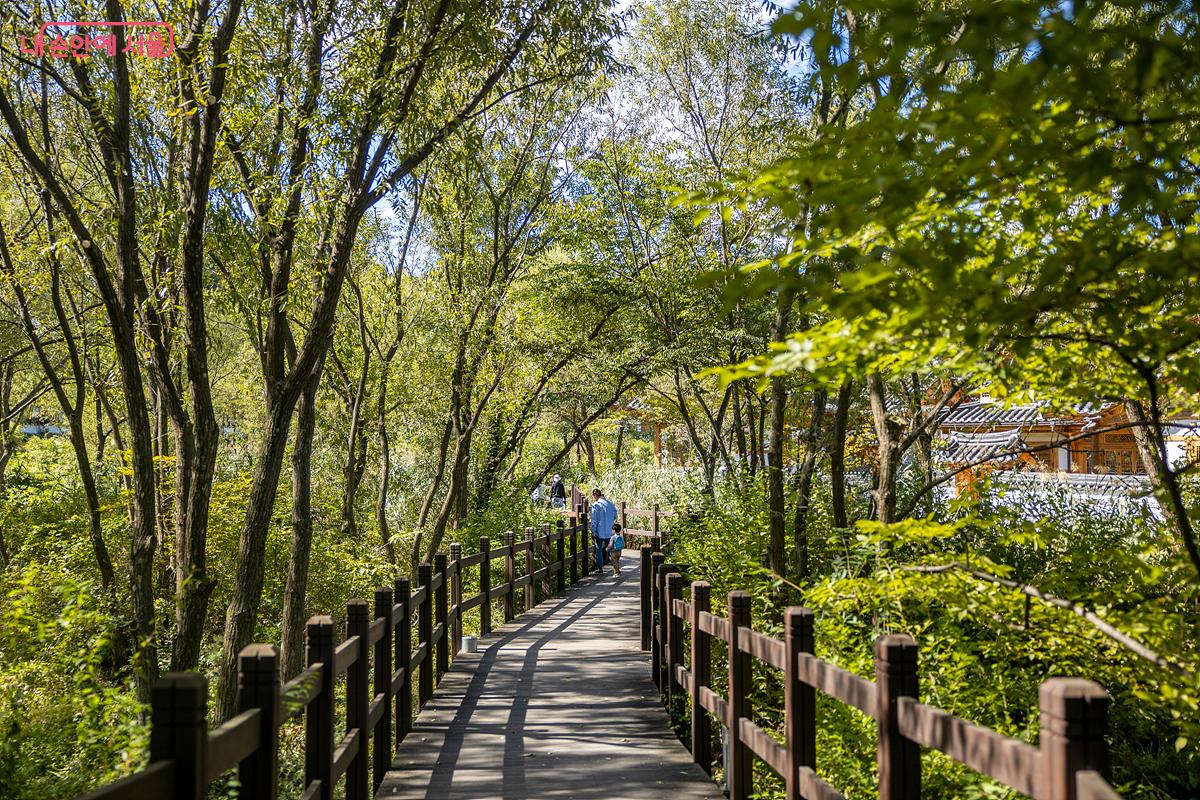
(1080, 484)
(983, 413)
(971, 448)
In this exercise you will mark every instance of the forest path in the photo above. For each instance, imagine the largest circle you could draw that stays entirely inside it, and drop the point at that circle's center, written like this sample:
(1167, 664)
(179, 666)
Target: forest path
(557, 703)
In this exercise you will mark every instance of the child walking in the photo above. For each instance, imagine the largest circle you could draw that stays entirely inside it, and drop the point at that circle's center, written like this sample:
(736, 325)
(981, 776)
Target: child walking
(615, 546)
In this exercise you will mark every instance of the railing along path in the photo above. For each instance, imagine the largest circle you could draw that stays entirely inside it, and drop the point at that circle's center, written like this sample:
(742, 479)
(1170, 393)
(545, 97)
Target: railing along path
(384, 665)
(1069, 763)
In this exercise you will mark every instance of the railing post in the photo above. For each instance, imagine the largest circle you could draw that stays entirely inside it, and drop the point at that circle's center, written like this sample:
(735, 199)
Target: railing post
(896, 676)
(258, 687)
(574, 550)
(654, 525)
(799, 699)
(530, 568)
(1074, 720)
(485, 587)
(381, 738)
(586, 534)
(664, 620)
(560, 555)
(456, 596)
(179, 730)
(358, 703)
(403, 597)
(656, 642)
(739, 771)
(621, 515)
(546, 560)
(510, 575)
(674, 634)
(647, 608)
(318, 718)
(701, 669)
(425, 635)
(441, 617)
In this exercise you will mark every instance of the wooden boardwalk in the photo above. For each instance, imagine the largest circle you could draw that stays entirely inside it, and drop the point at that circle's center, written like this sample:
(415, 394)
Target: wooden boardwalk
(556, 704)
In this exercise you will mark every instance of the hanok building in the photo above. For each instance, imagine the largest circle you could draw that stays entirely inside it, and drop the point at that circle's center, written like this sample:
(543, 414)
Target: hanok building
(1017, 445)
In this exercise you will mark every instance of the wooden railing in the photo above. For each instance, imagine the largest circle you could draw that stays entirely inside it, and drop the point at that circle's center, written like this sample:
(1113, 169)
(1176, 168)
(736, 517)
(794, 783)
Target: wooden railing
(1069, 763)
(382, 666)
(653, 517)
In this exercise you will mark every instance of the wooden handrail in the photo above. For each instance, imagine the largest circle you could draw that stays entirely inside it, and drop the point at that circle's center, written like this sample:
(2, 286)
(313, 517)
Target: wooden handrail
(303, 688)
(156, 780)
(382, 664)
(344, 655)
(1068, 763)
(1090, 785)
(838, 683)
(1009, 761)
(233, 741)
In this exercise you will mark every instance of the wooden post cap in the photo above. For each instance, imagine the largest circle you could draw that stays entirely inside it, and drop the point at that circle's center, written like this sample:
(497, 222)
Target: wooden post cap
(739, 600)
(897, 649)
(1070, 706)
(798, 620)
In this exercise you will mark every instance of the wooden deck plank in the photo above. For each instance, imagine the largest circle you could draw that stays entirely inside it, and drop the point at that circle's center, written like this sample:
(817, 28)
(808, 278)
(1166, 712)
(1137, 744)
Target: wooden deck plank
(556, 704)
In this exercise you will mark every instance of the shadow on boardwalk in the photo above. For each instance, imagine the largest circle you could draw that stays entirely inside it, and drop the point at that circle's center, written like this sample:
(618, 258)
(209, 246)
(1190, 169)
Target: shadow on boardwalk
(556, 704)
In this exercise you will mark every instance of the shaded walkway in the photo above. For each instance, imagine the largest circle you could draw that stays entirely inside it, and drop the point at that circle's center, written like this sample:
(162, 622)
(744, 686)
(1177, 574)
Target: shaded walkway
(558, 703)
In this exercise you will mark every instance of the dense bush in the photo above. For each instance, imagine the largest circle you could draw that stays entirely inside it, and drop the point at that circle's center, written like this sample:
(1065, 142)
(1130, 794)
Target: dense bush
(984, 647)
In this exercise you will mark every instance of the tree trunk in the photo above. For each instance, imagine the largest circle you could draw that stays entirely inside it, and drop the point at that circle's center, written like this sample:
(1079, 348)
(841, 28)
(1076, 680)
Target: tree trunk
(620, 441)
(837, 454)
(1148, 436)
(427, 503)
(776, 501)
(590, 450)
(803, 486)
(887, 432)
(356, 450)
(753, 444)
(738, 430)
(167, 568)
(6, 448)
(295, 591)
(385, 471)
(142, 540)
(458, 473)
(462, 478)
(196, 461)
(352, 474)
(489, 472)
(241, 618)
(775, 495)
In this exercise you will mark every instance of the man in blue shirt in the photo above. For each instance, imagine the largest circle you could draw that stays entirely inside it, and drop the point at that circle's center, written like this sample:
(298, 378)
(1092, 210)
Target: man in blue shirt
(603, 515)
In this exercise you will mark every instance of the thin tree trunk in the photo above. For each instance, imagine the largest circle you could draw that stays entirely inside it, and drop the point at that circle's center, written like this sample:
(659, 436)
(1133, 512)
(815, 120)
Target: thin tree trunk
(385, 471)
(620, 441)
(753, 444)
(837, 454)
(590, 450)
(887, 432)
(738, 430)
(427, 503)
(804, 483)
(295, 591)
(356, 441)
(6, 449)
(776, 501)
(1148, 436)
